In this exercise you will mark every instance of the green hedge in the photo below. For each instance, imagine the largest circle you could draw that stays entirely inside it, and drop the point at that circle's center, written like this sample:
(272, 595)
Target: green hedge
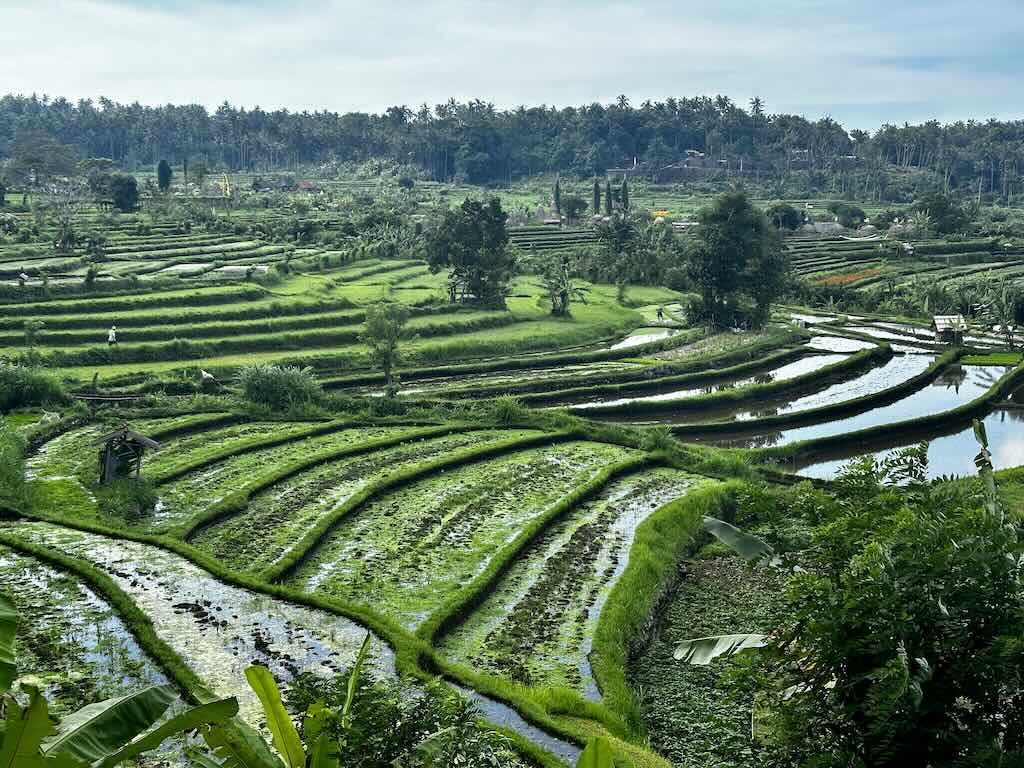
(139, 298)
(808, 382)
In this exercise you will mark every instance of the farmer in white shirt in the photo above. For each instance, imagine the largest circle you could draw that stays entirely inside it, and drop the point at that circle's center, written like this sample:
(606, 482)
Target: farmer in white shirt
(112, 336)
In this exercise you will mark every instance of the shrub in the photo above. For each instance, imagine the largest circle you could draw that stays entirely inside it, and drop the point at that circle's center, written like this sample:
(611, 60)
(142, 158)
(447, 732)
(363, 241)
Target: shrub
(657, 438)
(508, 410)
(26, 386)
(12, 466)
(279, 388)
(128, 500)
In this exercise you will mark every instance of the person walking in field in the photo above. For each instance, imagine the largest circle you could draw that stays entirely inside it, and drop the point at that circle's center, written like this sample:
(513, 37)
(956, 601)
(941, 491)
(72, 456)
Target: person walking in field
(661, 314)
(112, 336)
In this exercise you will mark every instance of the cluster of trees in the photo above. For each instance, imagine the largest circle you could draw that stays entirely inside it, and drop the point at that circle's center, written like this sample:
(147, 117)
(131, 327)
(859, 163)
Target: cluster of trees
(478, 143)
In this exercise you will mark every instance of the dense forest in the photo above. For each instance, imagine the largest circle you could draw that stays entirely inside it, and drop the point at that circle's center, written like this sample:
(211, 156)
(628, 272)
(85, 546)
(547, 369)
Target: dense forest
(674, 140)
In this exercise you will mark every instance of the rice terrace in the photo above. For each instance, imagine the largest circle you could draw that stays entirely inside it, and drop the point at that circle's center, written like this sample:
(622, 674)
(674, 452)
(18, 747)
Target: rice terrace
(680, 434)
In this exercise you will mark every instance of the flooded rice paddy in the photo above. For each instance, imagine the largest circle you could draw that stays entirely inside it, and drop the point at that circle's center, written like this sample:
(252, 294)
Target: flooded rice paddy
(277, 518)
(785, 372)
(408, 551)
(536, 626)
(953, 455)
(217, 629)
(956, 387)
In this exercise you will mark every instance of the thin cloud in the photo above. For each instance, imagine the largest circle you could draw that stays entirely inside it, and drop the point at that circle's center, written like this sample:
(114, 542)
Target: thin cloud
(923, 59)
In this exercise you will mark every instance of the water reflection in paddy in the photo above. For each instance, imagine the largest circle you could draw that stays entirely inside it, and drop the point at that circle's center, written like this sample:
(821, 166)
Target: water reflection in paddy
(785, 372)
(957, 386)
(954, 454)
(892, 372)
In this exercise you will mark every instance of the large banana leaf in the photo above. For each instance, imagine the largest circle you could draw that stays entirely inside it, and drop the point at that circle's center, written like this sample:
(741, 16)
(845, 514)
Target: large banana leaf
(93, 732)
(703, 650)
(26, 728)
(205, 714)
(8, 627)
(286, 737)
(598, 754)
(743, 544)
(235, 747)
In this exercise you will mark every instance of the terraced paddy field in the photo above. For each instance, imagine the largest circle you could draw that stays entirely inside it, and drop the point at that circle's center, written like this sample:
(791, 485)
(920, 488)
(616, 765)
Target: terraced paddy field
(312, 317)
(524, 522)
(410, 550)
(537, 626)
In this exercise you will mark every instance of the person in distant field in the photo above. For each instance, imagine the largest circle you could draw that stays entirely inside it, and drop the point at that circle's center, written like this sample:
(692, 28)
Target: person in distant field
(661, 313)
(112, 336)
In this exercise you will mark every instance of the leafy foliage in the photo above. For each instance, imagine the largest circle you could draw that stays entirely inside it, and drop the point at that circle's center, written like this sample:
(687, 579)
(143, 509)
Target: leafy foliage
(472, 244)
(25, 386)
(280, 388)
(736, 254)
(381, 333)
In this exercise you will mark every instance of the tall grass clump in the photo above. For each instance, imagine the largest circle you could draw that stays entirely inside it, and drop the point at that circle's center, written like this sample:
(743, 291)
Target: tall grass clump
(279, 388)
(12, 466)
(26, 386)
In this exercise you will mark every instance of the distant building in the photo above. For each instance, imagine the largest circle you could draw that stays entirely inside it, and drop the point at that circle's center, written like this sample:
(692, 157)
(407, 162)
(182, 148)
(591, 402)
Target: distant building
(949, 329)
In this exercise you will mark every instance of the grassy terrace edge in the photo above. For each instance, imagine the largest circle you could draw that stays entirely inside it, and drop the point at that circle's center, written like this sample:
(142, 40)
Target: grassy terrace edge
(312, 539)
(845, 408)
(803, 384)
(237, 500)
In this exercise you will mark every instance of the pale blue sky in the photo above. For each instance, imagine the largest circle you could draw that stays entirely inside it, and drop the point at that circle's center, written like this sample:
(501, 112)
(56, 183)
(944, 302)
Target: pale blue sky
(862, 63)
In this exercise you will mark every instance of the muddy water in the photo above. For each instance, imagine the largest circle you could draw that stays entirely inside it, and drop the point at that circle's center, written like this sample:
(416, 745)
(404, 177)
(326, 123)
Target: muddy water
(953, 455)
(408, 551)
(956, 387)
(70, 639)
(501, 714)
(536, 626)
(784, 372)
(218, 629)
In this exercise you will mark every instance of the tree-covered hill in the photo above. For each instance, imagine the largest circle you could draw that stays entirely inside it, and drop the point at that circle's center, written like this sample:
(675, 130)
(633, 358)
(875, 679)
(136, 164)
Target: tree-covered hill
(677, 139)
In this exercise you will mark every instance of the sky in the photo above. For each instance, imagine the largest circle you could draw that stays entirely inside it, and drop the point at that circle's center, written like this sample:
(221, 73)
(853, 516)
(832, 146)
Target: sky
(864, 63)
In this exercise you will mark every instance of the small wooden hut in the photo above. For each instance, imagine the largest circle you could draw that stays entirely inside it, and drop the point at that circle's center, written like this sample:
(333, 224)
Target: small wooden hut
(121, 453)
(949, 329)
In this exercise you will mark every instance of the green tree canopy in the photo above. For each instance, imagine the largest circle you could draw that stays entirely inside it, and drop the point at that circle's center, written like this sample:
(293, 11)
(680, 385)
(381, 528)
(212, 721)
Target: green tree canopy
(382, 332)
(735, 254)
(163, 175)
(124, 191)
(472, 244)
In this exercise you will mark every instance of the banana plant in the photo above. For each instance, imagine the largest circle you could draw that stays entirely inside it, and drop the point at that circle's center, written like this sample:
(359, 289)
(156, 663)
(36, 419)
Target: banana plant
(703, 650)
(101, 735)
(238, 748)
(598, 754)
